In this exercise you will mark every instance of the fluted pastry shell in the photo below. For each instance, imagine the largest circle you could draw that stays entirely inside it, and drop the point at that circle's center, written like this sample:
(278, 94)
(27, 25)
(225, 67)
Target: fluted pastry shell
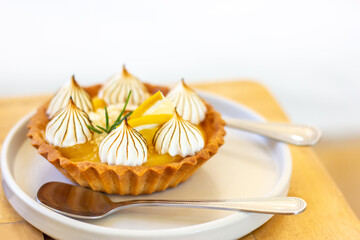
(119, 179)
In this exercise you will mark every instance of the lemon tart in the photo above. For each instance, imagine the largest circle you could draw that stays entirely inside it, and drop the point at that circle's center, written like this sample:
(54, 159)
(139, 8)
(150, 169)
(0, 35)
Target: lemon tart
(150, 150)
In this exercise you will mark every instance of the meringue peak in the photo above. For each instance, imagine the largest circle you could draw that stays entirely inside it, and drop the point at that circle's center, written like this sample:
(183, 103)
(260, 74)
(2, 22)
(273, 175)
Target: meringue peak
(115, 90)
(74, 83)
(125, 72)
(70, 90)
(185, 85)
(178, 137)
(189, 105)
(68, 127)
(123, 146)
(71, 103)
(176, 114)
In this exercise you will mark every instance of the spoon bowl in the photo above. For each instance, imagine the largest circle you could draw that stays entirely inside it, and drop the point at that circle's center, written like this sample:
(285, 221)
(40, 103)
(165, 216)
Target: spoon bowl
(73, 200)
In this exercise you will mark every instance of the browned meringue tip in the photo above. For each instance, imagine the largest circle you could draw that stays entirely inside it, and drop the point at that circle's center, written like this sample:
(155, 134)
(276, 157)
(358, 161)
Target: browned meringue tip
(71, 103)
(126, 122)
(125, 72)
(175, 113)
(185, 85)
(73, 81)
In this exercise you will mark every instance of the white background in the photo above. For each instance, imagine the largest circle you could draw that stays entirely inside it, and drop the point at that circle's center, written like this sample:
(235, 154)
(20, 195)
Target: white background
(307, 52)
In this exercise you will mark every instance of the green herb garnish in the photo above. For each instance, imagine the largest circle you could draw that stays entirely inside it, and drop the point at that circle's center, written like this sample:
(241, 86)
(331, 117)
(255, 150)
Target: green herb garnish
(118, 121)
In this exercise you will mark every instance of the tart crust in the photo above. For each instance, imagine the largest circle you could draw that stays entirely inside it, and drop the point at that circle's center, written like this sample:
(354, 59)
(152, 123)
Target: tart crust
(120, 179)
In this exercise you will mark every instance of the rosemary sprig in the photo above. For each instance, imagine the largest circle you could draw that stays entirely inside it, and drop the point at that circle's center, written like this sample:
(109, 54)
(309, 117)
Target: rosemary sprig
(118, 121)
(107, 117)
(94, 129)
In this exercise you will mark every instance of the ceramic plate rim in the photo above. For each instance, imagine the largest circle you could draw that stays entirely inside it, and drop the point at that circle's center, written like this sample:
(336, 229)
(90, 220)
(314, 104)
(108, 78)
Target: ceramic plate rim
(8, 179)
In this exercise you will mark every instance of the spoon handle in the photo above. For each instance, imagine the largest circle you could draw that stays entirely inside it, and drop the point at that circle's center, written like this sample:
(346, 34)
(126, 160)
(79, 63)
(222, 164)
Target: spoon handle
(289, 133)
(275, 205)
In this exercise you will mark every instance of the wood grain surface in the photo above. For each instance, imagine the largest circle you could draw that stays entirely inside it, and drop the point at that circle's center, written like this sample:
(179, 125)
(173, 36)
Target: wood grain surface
(328, 215)
(341, 158)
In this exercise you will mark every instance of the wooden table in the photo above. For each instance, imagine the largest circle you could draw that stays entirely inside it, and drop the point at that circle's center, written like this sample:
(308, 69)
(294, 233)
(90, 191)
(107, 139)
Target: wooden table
(328, 215)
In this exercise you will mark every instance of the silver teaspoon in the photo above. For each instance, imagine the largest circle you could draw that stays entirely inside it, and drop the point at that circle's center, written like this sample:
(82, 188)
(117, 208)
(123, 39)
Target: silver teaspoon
(83, 203)
(295, 134)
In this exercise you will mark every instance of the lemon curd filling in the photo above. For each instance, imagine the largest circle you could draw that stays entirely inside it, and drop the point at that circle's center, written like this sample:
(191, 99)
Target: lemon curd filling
(89, 151)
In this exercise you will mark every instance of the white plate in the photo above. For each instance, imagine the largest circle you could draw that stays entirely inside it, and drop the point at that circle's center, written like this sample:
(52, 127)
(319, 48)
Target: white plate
(247, 165)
